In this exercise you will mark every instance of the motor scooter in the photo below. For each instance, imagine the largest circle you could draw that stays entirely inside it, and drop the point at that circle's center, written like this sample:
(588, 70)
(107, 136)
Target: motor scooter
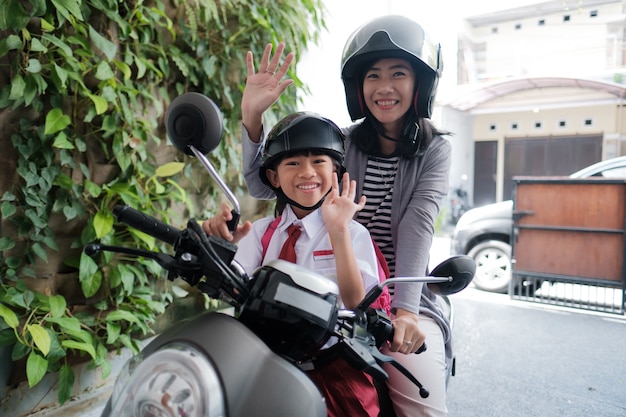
(459, 204)
(247, 363)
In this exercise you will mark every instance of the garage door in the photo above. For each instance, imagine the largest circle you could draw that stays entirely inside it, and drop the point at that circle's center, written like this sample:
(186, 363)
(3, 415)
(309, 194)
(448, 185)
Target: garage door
(554, 155)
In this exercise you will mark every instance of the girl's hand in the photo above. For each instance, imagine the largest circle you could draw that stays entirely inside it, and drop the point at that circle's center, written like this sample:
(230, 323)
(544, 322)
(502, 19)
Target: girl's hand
(338, 209)
(217, 226)
(263, 88)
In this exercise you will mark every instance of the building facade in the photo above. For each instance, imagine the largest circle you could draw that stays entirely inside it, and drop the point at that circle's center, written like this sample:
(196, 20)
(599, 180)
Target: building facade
(541, 92)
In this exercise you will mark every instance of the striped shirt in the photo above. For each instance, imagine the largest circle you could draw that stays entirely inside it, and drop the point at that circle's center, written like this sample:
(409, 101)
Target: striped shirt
(376, 215)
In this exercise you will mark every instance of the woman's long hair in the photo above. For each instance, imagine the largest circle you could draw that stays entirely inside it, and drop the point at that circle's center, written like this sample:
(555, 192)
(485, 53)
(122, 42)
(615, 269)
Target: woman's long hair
(365, 137)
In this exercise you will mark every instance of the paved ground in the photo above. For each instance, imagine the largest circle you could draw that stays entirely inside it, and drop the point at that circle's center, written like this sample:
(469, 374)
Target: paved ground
(526, 359)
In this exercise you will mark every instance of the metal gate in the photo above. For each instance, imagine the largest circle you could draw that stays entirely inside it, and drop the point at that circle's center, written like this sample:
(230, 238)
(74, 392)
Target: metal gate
(569, 242)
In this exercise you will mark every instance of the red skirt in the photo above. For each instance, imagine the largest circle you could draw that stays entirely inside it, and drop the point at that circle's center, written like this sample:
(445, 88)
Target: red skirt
(348, 392)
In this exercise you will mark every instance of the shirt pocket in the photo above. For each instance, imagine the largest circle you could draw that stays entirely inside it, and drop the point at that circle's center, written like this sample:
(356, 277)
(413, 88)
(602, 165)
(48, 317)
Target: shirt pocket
(324, 261)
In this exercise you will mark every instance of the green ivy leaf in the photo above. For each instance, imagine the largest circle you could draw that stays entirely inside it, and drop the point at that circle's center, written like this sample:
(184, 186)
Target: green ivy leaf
(68, 7)
(9, 317)
(36, 368)
(100, 103)
(61, 141)
(40, 337)
(18, 85)
(107, 47)
(127, 278)
(89, 276)
(34, 66)
(37, 46)
(56, 121)
(85, 347)
(169, 169)
(40, 251)
(121, 315)
(104, 71)
(46, 26)
(7, 337)
(63, 47)
(9, 43)
(113, 332)
(150, 241)
(67, 324)
(6, 243)
(13, 16)
(124, 68)
(88, 267)
(59, 76)
(66, 381)
(102, 223)
(92, 188)
(57, 305)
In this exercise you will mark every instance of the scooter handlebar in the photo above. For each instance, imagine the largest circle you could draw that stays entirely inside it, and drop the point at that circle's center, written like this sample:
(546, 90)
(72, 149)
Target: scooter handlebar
(146, 224)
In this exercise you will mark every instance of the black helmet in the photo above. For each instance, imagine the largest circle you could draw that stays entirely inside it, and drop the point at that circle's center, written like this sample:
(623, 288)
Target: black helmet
(391, 37)
(302, 131)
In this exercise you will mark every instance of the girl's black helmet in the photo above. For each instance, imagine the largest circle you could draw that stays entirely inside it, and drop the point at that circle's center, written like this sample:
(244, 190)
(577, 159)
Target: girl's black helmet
(391, 37)
(302, 131)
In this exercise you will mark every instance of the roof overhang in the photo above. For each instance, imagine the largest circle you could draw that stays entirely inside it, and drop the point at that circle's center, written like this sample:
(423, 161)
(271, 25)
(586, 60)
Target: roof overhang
(529, 92)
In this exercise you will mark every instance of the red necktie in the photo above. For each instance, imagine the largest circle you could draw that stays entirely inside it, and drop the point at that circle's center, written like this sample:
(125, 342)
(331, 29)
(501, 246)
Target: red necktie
(288, 252)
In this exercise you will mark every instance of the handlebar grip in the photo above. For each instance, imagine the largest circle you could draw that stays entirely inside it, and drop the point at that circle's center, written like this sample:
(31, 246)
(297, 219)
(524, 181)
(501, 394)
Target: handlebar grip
(146, 224)
(390, 338)
(232, 223)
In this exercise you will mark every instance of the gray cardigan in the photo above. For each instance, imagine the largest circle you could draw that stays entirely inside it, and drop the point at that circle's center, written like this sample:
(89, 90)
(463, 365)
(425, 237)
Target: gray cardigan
(424, 184)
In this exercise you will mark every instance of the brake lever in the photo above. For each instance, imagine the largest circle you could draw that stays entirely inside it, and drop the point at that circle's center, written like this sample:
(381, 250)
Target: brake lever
(381, 358)
(362, 357)
(166, 261)
(380, 330)
(367, 358)
(184, 265)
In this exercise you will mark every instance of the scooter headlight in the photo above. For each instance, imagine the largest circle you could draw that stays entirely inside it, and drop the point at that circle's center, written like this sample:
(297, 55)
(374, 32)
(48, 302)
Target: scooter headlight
(175, 381)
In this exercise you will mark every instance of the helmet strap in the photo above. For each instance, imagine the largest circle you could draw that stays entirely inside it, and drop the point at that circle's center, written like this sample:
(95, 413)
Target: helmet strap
(410, 129)
(280, 194)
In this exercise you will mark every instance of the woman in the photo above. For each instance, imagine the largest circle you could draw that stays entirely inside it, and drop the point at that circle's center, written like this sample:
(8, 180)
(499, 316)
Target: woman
(401, 163)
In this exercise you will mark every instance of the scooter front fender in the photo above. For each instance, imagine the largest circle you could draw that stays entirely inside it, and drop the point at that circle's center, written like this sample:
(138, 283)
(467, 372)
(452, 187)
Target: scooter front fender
(255, 381)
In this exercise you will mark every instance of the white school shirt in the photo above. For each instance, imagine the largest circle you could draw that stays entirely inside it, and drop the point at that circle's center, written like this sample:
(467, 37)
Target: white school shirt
(313, 248)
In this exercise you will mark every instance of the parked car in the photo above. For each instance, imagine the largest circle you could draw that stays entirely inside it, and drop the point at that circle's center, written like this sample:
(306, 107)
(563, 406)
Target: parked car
(484, 233)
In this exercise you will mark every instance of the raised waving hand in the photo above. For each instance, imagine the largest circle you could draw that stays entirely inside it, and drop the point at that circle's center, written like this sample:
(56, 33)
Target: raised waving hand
(263, 88)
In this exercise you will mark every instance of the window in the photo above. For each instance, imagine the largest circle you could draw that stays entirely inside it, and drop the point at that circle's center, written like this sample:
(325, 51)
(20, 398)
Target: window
(492, 127)
(588, 122)
(566, 18)
(518, 26)
(593, 13)
(537, 125)
(562, 123)
(541, 22)
(615, 172)
(494, 30)
(514, 126)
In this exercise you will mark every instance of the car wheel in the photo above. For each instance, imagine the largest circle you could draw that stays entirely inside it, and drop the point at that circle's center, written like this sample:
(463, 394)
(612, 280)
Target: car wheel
(493, 266)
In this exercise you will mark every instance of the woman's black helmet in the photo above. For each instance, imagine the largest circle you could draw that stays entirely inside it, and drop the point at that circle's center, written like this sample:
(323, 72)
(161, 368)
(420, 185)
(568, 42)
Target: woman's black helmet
(302, 131)
(391, 37)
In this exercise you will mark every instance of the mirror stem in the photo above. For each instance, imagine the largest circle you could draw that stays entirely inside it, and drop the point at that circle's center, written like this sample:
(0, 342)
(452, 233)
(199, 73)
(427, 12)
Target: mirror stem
(231, 197)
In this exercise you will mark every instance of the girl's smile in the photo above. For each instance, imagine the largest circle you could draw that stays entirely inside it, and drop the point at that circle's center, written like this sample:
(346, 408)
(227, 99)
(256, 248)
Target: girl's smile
(304, 179)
